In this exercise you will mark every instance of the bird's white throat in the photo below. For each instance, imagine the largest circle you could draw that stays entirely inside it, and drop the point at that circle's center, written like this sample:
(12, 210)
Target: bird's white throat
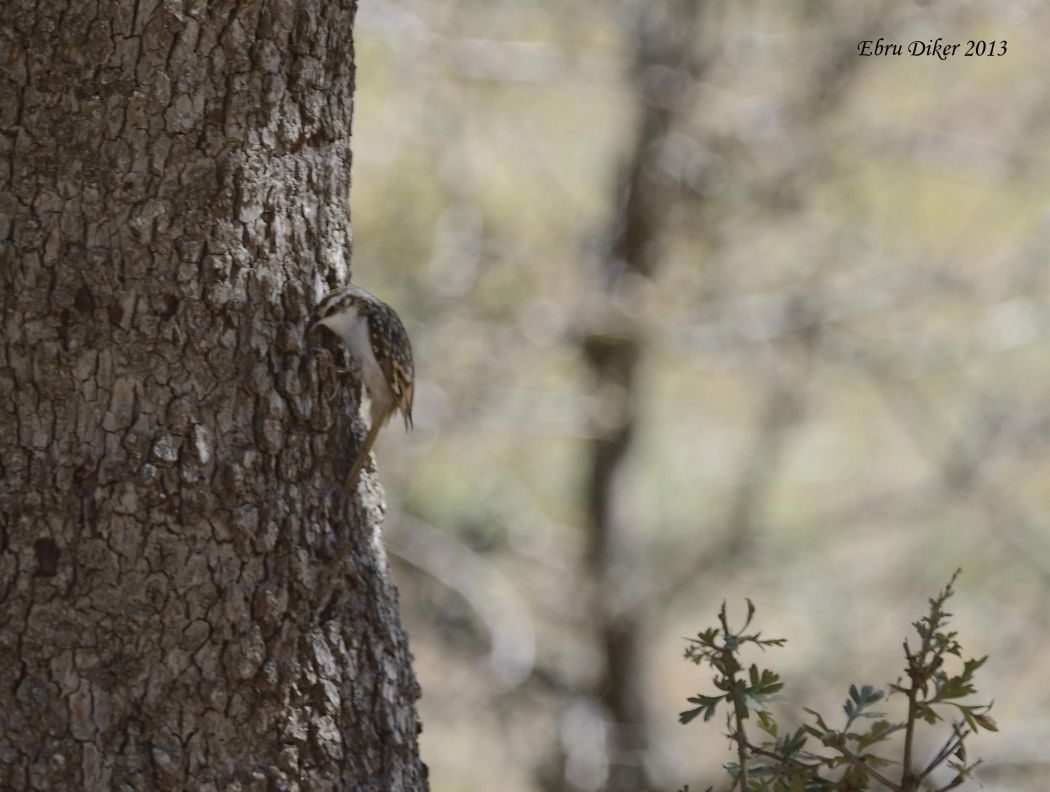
(352, 327)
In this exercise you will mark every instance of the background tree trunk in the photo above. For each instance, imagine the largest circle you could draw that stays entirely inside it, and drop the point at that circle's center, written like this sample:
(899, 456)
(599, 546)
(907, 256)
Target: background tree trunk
(188, 597)
(665, 62)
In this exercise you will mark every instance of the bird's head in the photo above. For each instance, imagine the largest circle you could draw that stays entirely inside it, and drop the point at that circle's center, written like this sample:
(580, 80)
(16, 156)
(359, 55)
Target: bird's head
(334, 303)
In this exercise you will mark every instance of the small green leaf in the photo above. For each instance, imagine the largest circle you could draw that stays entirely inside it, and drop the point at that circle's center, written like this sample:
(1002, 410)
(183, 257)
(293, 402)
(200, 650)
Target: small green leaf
(767, 724)
(986, 721)
(819, 719)
(706, 708)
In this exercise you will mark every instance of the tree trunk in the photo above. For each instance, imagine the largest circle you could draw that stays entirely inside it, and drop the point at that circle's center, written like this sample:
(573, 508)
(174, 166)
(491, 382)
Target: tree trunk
(665, 44)
(189, 599)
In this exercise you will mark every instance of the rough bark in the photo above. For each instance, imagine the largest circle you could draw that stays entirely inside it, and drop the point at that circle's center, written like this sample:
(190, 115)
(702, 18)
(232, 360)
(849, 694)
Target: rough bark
(188, 597)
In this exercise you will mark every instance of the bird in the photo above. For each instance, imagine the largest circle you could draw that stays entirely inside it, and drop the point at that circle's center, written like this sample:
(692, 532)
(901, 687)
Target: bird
(377, 340)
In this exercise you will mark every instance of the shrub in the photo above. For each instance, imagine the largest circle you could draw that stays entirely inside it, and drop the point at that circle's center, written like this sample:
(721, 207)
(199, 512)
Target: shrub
(818, 756)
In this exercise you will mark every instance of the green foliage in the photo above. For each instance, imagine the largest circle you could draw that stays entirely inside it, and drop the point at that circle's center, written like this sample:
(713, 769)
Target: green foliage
(818, 756)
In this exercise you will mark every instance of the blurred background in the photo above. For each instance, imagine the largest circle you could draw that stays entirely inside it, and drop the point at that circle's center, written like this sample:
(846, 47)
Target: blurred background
(706, 307)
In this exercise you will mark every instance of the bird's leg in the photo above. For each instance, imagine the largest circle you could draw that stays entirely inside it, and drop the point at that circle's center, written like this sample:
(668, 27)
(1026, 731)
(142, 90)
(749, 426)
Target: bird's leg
(329, 361)
(325, 371)
(362, 456)
(352, 367)
(323, 355)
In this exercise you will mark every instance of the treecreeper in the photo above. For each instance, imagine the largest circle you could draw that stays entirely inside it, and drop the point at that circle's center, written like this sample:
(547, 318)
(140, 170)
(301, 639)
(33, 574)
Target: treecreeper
(377, 341)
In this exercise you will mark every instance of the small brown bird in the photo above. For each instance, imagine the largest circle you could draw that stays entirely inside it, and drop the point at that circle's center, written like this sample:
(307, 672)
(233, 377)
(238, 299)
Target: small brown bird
(377, 340)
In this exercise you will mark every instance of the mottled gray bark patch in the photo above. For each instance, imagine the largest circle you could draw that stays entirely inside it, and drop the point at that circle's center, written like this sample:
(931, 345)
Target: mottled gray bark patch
(188, 598)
